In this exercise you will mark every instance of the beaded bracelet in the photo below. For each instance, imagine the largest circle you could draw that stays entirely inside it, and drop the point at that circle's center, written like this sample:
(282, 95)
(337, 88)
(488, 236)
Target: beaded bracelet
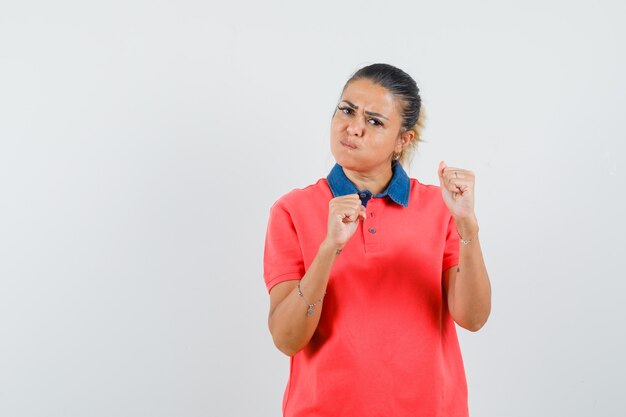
(310, 310)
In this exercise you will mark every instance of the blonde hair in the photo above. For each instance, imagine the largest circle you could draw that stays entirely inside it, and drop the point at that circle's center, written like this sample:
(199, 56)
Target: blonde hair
(409, 149)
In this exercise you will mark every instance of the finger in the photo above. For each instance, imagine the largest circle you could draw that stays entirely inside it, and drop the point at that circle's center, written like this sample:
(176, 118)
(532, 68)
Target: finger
(348, 197)
(455, 176)
(440, 172)
(347, 206)
(350, 218)
(341, 203)
(453, 172)
(460, 186)
(363, 213)
(350, 212)
(455, 182)
(345, 199)
(448, 174)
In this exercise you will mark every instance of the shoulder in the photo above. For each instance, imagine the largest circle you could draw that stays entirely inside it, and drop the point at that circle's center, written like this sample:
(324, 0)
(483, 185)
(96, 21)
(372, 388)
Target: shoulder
(426, 195)
(311, 194)
(426, 190)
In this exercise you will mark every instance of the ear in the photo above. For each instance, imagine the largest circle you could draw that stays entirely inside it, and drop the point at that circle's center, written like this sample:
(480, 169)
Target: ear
(404, 139)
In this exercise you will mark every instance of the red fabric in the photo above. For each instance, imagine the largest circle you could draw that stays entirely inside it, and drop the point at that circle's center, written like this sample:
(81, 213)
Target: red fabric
(386, 344)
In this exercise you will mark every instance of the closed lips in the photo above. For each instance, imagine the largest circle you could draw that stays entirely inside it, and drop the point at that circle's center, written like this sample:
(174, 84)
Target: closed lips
(348, 144)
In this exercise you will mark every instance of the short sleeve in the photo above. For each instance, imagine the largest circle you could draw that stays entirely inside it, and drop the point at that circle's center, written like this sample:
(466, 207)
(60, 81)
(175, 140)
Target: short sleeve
(451, 248)
(282, 259)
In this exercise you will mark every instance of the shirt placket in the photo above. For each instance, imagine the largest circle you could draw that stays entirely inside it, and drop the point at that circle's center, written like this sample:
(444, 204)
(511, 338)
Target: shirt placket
(371, 225)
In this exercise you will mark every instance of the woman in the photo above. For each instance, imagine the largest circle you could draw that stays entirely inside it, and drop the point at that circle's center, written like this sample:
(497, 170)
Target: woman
(368, 270)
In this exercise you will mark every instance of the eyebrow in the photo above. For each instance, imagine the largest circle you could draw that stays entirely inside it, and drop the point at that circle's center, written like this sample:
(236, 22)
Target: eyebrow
(371, 113)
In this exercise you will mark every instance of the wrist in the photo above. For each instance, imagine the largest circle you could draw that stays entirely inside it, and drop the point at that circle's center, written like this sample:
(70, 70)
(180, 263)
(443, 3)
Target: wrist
(330, 248)
(467, 227)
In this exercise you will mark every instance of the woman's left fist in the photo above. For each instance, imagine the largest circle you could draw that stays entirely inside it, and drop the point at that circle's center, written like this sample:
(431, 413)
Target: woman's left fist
(457, 189)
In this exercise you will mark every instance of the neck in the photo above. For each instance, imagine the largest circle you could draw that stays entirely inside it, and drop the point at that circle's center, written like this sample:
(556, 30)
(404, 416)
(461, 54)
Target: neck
(374, 181)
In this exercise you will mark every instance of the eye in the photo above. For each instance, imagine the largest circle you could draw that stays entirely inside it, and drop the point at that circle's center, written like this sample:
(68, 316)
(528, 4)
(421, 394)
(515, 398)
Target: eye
(376, 122)
(345, 110)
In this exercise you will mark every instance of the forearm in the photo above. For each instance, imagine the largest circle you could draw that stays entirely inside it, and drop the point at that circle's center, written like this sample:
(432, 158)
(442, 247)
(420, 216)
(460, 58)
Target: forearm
(472, 289)
(290, 324)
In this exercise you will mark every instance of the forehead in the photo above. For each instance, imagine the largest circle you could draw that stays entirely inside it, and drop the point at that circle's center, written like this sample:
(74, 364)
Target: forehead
(371, 97)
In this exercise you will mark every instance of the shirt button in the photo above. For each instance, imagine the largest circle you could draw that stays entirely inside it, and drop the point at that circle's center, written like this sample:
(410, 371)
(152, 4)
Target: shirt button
(372, 230)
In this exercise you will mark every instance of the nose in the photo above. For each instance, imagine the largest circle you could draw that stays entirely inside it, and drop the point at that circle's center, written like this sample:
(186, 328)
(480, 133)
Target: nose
(356, 126)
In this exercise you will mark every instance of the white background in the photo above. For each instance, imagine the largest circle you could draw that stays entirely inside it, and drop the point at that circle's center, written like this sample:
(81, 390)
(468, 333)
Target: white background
(143, 142)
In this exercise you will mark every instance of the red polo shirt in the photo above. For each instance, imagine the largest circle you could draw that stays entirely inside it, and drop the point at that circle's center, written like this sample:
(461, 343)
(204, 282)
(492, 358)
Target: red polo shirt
(386, 344)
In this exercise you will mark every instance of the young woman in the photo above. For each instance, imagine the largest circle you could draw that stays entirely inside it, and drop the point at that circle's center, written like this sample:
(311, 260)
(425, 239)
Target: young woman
(368, 270)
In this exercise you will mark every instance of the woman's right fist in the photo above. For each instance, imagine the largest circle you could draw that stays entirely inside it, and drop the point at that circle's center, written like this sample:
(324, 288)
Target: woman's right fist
(344, 214)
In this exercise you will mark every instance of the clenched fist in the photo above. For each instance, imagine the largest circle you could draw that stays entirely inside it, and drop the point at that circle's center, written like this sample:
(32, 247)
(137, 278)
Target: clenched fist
(457, 189)
(344, 214)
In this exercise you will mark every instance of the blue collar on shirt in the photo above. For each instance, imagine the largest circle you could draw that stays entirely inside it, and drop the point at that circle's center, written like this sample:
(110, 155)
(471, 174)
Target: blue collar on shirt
(398, 189)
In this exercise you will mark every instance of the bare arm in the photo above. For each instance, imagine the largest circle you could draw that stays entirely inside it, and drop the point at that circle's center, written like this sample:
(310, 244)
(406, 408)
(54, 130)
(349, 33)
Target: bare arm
(467, 286)
(290, 325)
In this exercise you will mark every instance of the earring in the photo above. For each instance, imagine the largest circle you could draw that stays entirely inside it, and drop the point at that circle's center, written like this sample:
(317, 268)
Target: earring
(397, 155)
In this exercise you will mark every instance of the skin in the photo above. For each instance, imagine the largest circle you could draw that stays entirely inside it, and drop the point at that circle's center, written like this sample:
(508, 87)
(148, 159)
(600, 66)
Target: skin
(366, 130)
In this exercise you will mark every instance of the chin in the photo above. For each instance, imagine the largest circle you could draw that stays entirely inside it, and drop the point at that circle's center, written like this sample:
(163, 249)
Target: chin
(348, 163)
(341, 158)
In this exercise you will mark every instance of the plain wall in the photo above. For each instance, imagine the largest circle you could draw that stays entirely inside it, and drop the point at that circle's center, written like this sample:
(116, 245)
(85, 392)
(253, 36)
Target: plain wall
(143, 142)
